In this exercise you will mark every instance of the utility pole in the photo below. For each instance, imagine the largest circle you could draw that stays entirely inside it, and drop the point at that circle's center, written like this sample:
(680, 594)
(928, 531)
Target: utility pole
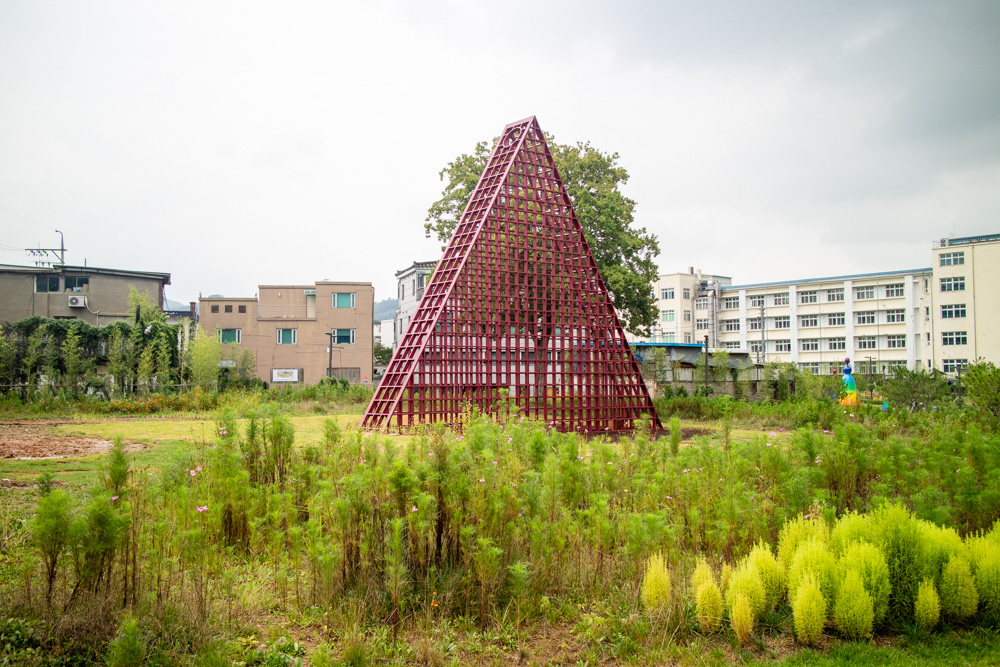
(870, 377)
(763, 336)
(329, 365)
(706, 364)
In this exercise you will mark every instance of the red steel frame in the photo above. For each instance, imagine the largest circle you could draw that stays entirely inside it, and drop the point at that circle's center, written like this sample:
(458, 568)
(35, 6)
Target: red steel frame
(517, 304)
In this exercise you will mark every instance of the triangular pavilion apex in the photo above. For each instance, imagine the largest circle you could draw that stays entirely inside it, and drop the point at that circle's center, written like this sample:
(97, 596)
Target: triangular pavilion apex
(516, 310)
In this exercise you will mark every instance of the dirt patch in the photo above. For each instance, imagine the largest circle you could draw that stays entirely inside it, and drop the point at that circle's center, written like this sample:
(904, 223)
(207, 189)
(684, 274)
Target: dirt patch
(37, 440)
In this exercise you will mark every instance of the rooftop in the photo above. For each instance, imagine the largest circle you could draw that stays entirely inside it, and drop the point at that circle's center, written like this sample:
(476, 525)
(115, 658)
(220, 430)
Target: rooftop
(854, 276)
(67, 268)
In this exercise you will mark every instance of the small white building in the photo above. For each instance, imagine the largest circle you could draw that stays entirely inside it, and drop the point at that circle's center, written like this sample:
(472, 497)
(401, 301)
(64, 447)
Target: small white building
(410, 288)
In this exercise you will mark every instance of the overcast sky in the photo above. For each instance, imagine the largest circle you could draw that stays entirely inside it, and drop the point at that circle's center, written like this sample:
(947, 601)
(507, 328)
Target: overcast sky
(240, 143)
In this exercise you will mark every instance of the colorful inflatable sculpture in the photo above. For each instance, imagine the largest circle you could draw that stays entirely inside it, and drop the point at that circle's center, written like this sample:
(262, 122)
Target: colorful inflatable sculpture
(850, 399)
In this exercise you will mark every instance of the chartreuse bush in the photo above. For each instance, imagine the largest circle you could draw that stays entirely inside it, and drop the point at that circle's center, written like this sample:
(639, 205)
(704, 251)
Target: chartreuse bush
(702, 574)
(708, 603)
(772, 577)
(794, 532)
(853, 611)
(897, 535)
(869, 564)
(959, 597)
(745, 582)
(927, 607)
(656, 585)
(808, 610)
(985, 561)
(813, 558)
(741, 617)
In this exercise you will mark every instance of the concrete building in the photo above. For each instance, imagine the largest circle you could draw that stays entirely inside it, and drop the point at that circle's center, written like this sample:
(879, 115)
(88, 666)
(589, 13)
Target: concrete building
(688, 304)
(289, 328)
(411, 282)
(873, 318)
(963, 320)
(95, 295)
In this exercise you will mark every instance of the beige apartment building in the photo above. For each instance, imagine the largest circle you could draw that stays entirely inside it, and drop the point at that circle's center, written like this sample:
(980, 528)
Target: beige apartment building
(98, 296)
(963, 321)
(873, 318)
(688, 305)
(299, 333)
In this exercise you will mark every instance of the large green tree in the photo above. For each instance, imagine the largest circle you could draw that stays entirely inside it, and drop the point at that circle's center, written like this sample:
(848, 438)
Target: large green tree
(624, 252)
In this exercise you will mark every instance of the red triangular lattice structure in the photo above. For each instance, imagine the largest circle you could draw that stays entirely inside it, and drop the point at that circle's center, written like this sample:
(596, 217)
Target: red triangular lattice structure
(517, 304)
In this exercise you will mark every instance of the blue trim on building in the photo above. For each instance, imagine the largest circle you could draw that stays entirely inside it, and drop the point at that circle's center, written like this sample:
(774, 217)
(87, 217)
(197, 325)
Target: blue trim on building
(965, 240)
(855, 276)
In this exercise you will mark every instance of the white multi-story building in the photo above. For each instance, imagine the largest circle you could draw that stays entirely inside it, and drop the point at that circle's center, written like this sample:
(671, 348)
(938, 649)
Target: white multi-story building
(688, 306)
(873, 318)
(410, 287)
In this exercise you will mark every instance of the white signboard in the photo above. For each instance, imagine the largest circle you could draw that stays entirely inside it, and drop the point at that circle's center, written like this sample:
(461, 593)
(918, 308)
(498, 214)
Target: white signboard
(284, 375)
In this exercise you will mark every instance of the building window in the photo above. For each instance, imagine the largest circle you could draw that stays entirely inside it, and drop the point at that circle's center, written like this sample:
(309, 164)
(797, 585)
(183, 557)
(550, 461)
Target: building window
(810, 344)
(895, 341)
(782, 346)
(781, 299)
(730, 325)
(287, 336)
(215, 307)
(670, 337)
(229, 308)
(953, 284)
(732, 345)
(894, 290)
(808, 297)
(687, 338)
(753, 323)
(687, 293)
(344, 336)
(893, 364)
(866, 342)
(952, 258)
(809, 321)
(756, 346)
(812, 367)
(667, 293)
(837, 344)
(668, 315)
(954, 338)
(835, 295)
(866, 317)
(229, 336)
(77, 284)
(46, 284)
(954, 365)
(731, 303)
(242, 308)
(835, 319)
(701, 303)
(895, 316)
(701, 324)
(782, 323)
(343, 300)
(756, 301)
(687, 315)
(402, 291)
(951, 312)
(862, 293)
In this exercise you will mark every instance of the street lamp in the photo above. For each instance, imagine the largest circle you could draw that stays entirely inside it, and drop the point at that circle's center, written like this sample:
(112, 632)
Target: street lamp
(329, 367)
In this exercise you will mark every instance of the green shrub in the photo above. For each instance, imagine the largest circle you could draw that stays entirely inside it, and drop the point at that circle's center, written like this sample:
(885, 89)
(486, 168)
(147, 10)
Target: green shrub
(745, 582)
(797, 531)
(129, 648)
(808, 610)
(656, 585)
(813, 558)
(853, 611)
(898, 537)
(927, 608)
(741, 617)
(770, 572)
(51, 533)
(985, 561)
(937, 545)
(959, 598)
(708, 602)
(869, 563)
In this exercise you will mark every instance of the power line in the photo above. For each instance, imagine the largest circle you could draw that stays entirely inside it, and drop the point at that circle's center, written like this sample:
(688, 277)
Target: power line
(21, 215)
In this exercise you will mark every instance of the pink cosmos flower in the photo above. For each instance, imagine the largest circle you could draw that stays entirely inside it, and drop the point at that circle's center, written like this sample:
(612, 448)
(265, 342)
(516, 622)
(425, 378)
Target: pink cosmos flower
(482, 480)
(198, 468)
(114, 497)
(193, 473)
(201, 509)
(414, 509)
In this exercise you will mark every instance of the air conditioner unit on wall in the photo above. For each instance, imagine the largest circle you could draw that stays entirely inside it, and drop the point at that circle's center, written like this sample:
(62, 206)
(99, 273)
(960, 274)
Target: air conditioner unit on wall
(77, 301)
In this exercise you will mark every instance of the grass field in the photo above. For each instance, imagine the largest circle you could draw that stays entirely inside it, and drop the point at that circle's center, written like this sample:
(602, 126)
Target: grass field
(323, 580)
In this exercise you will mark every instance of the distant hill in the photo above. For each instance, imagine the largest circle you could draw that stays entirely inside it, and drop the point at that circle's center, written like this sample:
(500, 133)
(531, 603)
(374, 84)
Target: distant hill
(170, 304)
(385, 309)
